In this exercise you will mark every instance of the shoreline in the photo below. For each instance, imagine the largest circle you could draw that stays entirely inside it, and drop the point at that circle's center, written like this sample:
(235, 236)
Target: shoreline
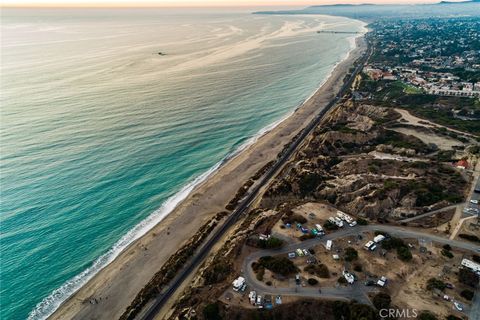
(116, 284)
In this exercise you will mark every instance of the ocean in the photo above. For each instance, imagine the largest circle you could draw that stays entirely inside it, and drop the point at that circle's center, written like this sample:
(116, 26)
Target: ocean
(109, 117)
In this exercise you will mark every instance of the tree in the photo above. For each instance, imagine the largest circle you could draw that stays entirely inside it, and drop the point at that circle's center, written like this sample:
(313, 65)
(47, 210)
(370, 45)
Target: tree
(319, 270)
(362, 222)
(322, 271)
(434, 283)
(467, 294)
(280, 265)
(362, 311)
(469, 237)
(426, 315)
(273, 243)
(404, 253)
(382, 301)
(309, 182)
(447, 253)
(328, 225)
(212, 312)
(468, 277)
(351, 254)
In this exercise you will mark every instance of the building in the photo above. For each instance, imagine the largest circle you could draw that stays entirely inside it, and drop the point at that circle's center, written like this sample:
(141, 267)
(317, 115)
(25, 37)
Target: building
(463, 164)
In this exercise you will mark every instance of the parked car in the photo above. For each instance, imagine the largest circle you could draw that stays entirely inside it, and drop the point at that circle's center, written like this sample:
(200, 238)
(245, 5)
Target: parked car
(369, 283)
(458, 306)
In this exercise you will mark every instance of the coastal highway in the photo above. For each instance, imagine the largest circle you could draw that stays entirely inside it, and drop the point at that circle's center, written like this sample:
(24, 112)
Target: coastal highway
(242, 207)
(357, 291)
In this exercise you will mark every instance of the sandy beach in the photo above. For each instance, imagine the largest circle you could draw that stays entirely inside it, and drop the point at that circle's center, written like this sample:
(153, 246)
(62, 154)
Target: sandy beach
(114, 287)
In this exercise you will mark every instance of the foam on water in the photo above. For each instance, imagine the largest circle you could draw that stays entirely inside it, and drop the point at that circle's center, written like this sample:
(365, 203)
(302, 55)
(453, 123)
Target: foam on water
(49, 304)
(105, 137)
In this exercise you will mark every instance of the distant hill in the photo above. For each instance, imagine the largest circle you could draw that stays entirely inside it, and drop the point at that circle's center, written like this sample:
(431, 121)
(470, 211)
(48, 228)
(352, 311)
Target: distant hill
(368, 11)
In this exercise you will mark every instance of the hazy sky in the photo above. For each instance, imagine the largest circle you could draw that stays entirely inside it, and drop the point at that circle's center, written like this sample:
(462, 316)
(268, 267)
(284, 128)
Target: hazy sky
(181, 3)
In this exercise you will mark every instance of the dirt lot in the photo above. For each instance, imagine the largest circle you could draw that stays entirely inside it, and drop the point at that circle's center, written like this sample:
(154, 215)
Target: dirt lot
(315, 213)
(412, 293)
(442, 143)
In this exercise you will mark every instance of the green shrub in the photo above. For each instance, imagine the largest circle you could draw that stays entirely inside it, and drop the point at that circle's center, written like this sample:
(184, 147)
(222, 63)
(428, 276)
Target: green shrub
(312, 281)
(280, 265)
(469, 237)
(357, 268)
(260, 274)
(447, 253)
(476, 258)
(426, 315)
(434, 283)
(306, 236)
(219, 271)
(351, 254)
(212, 312)
(362, 222)
(308, 183)
(404, 253)
(271, 243)
(382, 301)
(294, 218)
(330, 226)
(468, 277)
(467, 294)
(320, 270)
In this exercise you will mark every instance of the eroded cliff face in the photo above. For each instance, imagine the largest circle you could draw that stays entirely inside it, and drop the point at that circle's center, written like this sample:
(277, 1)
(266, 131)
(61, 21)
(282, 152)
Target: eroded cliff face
(357, 164)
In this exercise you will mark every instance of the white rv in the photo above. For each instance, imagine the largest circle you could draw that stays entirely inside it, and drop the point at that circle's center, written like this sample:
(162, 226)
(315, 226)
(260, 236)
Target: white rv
(328, 246)
(370, 245)
(349, 277)
(239, 284)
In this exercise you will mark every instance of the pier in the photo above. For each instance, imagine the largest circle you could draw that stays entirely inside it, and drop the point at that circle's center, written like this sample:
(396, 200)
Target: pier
(340, 32)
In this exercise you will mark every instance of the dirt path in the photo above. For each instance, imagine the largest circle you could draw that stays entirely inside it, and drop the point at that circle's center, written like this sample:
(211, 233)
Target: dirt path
(413, 120)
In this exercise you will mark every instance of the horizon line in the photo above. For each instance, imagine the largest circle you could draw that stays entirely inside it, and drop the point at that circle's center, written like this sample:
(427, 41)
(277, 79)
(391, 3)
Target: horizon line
(147, 5)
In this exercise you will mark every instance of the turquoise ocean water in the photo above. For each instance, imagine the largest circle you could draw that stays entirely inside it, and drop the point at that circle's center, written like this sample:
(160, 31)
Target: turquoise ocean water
(101, 136)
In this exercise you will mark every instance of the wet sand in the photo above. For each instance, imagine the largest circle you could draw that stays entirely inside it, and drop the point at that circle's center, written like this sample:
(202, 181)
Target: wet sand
(115, 287)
